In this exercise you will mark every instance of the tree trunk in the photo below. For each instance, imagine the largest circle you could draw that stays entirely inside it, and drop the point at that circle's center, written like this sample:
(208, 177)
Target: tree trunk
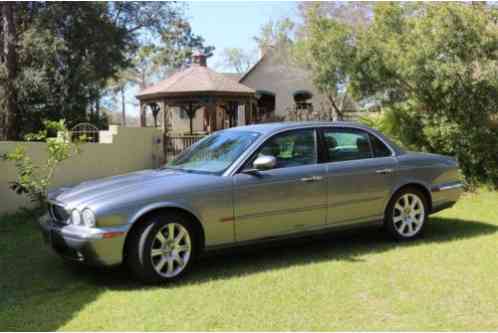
(123, 108)
(97, 107)
(338, 112)
(9, 51)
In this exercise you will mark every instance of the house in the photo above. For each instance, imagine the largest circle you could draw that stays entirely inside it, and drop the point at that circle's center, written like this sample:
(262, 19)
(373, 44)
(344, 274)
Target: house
(281, 88)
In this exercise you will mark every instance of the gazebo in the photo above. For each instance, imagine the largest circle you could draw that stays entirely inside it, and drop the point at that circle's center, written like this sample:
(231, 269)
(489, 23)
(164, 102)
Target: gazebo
(195, 88)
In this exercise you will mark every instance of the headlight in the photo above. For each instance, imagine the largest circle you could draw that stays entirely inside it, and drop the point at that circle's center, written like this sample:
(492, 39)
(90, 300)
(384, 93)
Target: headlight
(88, 218)
(75, 217)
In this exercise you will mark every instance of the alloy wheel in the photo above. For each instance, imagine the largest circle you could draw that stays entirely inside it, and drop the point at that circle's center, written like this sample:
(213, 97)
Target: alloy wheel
(408, 215)
(171, 250)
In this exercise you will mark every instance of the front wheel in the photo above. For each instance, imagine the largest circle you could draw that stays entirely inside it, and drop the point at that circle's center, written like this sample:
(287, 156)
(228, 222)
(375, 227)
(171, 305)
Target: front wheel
(407, 214)
(162, 248)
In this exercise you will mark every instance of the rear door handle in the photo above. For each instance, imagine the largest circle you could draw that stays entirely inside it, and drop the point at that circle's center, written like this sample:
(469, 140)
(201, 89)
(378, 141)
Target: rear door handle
(311, 179)
(384, 171)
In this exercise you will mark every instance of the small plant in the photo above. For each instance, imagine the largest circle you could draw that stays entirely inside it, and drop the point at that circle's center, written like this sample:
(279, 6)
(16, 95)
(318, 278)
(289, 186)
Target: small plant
(33, 180)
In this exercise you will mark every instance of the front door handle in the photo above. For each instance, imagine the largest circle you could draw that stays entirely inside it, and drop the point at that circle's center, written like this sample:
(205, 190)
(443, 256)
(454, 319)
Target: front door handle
(311, 179)
(384, 171)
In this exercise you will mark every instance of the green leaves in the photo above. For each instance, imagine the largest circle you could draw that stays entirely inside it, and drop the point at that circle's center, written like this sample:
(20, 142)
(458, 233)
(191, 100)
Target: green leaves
(33, 180)
(66, 55)
(433, 68)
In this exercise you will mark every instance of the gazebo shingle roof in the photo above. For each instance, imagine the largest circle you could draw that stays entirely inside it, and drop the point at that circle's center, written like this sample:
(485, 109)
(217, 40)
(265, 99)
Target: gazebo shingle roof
(196, 79)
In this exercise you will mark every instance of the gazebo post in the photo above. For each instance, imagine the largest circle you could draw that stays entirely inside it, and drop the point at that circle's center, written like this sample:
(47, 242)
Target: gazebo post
(142, 114)
(189, 110)
(190, 116)
(247, 113)
(210, 114)
(165, 116)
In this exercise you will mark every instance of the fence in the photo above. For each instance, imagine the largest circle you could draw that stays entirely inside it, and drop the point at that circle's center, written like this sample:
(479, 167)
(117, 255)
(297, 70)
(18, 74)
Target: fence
(85, 132)
(174, 144)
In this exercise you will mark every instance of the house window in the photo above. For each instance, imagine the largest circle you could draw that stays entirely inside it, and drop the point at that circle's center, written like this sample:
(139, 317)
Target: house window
(301, 99)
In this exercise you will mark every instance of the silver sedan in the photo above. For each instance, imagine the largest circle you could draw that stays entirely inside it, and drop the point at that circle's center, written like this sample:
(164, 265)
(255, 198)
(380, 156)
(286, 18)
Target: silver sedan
(245, 185)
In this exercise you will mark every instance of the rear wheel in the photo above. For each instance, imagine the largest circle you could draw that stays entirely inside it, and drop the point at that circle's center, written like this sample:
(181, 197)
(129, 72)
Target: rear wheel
(162, 248)
(407, 214)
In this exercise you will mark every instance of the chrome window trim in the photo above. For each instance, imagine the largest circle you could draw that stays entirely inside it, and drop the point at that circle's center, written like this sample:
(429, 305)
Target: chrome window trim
(234, 168)
(358, 128)
(274, 134)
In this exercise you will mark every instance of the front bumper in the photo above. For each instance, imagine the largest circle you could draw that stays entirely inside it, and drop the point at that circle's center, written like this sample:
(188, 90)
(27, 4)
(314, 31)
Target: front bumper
(93, 246)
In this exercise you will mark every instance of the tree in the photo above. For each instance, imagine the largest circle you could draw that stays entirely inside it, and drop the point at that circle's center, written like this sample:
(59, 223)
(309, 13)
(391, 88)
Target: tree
(433, 65)
(441, 60)
(237, 59)
(326, 46)
(358, 15)
(65, 56)
(156, 59)
(275, 34)
(172, 51)
(9, 55)
(328, 64)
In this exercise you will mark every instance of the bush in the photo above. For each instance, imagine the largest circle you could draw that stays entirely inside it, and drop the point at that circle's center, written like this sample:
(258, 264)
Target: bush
(475, 147)
(34, 180)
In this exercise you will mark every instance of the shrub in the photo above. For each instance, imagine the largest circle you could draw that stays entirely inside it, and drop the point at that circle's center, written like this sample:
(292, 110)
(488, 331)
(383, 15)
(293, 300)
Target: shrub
(33, 180)
(475, 147)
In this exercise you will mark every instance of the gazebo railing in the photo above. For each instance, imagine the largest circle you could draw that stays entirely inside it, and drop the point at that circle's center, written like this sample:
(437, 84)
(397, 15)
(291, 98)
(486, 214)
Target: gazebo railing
(174, 144)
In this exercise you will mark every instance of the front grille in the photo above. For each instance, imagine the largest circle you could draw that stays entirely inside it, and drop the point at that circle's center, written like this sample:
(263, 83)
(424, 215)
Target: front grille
(58, 214)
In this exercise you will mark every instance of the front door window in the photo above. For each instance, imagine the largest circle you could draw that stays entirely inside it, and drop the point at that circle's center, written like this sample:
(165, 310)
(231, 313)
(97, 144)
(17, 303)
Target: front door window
(293, 148)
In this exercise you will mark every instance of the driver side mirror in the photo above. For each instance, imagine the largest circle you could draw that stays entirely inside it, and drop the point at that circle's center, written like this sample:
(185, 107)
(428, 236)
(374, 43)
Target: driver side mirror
(265, 162)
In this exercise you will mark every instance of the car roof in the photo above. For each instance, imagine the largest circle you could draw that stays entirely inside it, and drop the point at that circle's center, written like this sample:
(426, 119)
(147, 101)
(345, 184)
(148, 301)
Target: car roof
(269, 128)
(273, 127)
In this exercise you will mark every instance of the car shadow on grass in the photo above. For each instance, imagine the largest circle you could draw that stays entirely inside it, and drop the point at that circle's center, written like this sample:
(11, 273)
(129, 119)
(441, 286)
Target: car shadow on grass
(346, 245)
(40, 292)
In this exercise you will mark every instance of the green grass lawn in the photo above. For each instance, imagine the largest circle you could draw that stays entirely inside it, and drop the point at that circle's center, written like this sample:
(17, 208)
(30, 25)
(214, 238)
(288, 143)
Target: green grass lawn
(356, 280)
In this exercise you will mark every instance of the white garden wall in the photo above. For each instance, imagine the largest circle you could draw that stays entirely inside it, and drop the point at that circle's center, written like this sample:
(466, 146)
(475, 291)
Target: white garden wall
(121, 150)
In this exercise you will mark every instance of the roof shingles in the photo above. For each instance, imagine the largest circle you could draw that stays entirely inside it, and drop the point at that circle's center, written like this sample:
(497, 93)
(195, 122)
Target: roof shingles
(195, 79)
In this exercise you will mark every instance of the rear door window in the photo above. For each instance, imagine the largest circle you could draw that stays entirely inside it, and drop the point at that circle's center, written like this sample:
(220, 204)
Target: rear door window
(379, 148)
(345, 144)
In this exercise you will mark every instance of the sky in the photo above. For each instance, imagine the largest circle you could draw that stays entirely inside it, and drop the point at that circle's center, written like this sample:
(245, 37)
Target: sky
(227, 24)
(235, 23)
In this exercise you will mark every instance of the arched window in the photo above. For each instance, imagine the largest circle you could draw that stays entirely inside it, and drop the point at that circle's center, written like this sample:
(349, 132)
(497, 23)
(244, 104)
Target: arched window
(301, 98)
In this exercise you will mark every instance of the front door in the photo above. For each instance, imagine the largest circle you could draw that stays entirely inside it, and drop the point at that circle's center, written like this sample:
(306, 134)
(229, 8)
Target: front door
(360, 171)
(288, 198)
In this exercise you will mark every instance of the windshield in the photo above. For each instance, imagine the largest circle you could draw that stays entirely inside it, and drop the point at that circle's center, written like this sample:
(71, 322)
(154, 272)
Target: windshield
(215, 153)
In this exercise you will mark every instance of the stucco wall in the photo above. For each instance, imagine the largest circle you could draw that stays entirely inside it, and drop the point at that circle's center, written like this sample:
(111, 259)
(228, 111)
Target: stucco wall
(122, 149)
(274, 75)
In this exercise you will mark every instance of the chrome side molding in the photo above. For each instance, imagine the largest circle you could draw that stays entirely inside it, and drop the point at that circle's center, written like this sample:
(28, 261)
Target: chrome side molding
(453, 186)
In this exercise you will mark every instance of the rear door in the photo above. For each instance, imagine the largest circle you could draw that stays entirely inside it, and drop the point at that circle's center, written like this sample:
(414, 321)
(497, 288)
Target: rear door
(360, 171)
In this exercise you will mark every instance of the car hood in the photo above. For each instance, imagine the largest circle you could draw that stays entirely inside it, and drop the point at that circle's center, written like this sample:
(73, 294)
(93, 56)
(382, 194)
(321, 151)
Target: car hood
(116, 186)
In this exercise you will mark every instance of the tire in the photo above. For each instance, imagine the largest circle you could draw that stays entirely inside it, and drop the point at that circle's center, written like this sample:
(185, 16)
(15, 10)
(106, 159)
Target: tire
(407, 214)
(153, 258)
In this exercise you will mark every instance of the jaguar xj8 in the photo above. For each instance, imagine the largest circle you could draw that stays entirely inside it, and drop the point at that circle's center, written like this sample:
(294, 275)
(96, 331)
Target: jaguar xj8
(246, 185)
